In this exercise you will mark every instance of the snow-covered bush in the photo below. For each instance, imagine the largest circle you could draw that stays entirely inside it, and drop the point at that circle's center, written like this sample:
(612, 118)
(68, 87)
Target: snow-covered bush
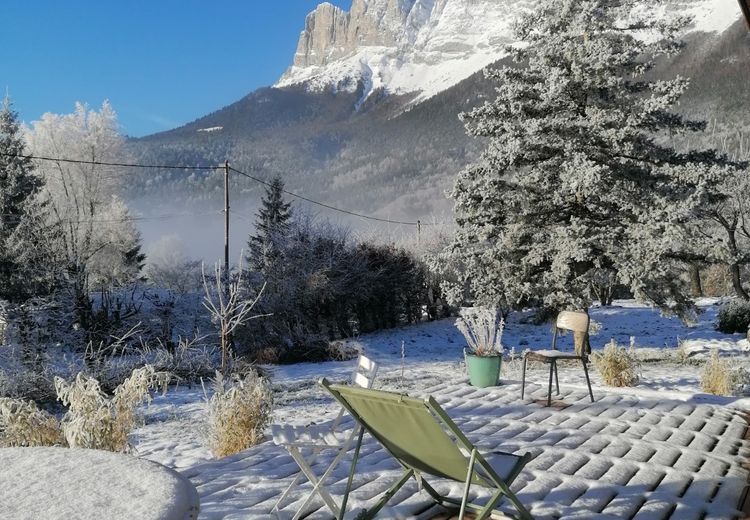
(721, 378)
(94, 420)
(22, 423)
(322, 285)
(189, 360)
(482, 327)
(616, 365)
(239, 410)
(22, 382)
(344, 350)
(734, 317)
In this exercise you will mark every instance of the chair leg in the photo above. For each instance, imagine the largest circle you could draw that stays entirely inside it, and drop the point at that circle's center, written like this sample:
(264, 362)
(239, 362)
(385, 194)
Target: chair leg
(549, 388)
(317, 487)
(286, 492)
(470, 474)
(351, 474)
(313, 457)
(523, 376)
(588, 382)
(557, 382)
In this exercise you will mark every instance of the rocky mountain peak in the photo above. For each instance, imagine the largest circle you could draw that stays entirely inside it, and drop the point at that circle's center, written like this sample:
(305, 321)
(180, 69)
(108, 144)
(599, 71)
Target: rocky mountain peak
(332, 33)
(426, 46)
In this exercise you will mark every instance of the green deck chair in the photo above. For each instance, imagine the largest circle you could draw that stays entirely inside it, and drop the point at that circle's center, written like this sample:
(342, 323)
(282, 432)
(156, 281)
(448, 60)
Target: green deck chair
(425, 441)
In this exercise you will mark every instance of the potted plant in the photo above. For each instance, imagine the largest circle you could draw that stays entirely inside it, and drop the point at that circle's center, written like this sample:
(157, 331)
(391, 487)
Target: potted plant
(483, 329)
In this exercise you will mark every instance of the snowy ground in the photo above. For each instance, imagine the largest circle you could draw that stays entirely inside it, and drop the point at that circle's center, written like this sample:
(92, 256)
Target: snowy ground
(660, 450)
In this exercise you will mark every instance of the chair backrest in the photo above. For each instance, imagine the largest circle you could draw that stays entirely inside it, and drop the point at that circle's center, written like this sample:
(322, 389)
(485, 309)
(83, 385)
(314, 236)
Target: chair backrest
(414, 431)
(578, 322)
(575, 321)
(363, 377)
(364, 373)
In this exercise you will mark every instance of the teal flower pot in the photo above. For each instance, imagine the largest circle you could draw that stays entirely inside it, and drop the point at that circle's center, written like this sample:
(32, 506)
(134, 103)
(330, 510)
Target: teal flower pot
(483, 371)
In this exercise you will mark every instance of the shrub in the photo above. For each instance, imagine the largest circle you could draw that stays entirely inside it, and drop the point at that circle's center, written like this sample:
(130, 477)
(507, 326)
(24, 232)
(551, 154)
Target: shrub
(239, 410)
(323, 286)
(22, 423)
(719, 378)
(734, 317)
(96, 421)
(617, 366)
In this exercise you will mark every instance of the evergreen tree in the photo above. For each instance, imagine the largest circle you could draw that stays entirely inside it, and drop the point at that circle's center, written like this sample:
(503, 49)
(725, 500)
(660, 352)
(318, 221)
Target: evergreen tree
(271, 229)
(579, 175)
(18, 185)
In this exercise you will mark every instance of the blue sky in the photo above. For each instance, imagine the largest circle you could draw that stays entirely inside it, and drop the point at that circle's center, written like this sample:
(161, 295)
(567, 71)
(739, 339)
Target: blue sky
(161, 63)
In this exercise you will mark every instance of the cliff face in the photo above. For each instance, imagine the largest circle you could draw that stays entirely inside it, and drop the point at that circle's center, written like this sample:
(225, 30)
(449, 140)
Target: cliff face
(332, 33)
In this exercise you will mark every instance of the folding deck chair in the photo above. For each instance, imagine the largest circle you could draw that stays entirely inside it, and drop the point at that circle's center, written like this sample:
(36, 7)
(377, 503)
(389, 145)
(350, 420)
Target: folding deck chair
(315, 438)
(424, 440)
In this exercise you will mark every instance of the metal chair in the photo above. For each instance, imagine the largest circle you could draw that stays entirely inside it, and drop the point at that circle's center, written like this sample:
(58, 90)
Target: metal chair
(578, 323)
(305, 443)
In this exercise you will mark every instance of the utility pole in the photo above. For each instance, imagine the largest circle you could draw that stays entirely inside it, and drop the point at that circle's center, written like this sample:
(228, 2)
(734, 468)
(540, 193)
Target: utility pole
(226, 227)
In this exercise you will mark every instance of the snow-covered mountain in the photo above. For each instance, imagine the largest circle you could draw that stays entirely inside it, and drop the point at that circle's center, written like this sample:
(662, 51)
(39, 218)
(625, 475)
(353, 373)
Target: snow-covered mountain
(422, 47)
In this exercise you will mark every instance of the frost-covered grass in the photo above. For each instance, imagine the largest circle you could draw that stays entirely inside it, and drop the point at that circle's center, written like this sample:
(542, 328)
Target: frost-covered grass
(93, 419)
(616, 365)
(238, 412)
(723, 377)
(22, 423)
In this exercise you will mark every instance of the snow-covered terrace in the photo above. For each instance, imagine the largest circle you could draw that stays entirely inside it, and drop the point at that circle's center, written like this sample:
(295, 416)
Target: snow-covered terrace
(623, 456)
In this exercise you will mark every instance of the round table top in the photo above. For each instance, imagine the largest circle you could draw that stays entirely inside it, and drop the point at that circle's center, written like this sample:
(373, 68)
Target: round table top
(81, 484)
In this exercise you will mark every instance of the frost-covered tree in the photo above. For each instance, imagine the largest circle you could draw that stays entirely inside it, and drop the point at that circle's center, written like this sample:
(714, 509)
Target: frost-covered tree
(93, 232)
(722, 235)
(18, 186)
(578, 176)
(271, 227)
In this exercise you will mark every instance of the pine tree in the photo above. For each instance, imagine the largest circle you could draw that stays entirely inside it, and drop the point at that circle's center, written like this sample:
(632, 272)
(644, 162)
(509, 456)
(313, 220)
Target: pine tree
(271, 228)
(579, 175)
(18, 186)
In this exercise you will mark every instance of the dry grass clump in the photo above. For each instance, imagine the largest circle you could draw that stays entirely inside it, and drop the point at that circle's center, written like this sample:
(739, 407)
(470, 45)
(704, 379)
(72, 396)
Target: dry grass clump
(720, 378)
(22, 423)
(617, 366)
(239, 410)
(97, 421)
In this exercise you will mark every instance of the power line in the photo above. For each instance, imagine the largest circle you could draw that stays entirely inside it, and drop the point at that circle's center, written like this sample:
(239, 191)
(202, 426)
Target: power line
(328, 206)
(418, 223)
(104, 163)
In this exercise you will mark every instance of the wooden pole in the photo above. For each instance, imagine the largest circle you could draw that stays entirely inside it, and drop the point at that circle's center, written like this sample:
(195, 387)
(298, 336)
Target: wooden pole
(226, 227)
